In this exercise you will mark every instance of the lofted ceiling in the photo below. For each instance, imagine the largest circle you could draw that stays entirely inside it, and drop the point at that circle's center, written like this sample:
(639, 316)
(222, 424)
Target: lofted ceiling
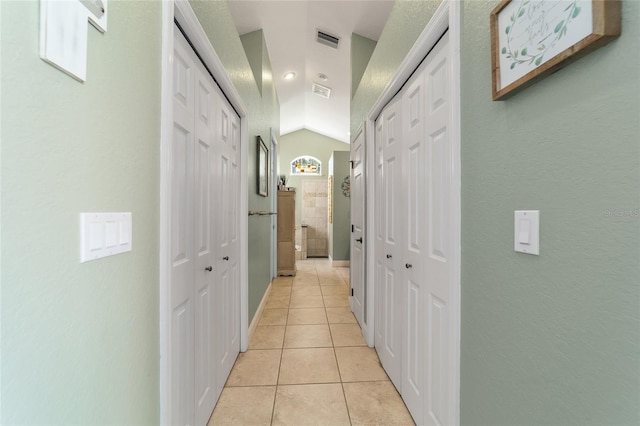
(290, 29)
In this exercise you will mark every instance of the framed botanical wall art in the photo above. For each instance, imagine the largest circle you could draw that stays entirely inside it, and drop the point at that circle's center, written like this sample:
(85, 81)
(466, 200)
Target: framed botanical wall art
(531, 39)
(263, 168)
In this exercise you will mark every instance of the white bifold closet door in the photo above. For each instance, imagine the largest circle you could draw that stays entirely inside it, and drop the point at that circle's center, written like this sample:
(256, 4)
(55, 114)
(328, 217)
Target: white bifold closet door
(389, 229)
(415, 240)
(204, 196)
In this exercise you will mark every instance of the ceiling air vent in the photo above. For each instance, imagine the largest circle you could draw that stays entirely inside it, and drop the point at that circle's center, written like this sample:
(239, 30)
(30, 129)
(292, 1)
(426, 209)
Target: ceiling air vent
(320, 90)
(327, 39)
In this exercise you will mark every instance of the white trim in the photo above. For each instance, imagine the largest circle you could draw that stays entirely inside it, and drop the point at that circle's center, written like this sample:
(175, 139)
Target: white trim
(258, 314)
(447, 17)
(166, 104)
(181, 11)
(369, 235)
(455, 24)
(369, 198)
(244, 234)
(273, 196)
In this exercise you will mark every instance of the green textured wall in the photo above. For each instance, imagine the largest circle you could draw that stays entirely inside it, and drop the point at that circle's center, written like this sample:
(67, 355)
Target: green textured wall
(264, 114)
(406, 21)
(305, 142)
(361, 51)
(253, 44)
(80, 341)
(555, 338)
(340, 229)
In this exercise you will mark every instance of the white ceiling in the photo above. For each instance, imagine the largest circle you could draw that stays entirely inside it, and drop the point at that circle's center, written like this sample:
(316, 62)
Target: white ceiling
(290, 34)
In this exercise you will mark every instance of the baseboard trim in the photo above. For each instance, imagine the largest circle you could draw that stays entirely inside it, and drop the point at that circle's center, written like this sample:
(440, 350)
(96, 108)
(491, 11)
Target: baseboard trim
(256, 318)
(340, 263)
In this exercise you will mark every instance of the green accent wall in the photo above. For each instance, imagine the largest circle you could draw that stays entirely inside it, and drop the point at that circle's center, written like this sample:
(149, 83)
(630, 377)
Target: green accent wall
(555, 338)
(405, 23)
(361, 50)
(254, 45)
(340, 229)
(264, 114)
(305, 142)
(80, 341)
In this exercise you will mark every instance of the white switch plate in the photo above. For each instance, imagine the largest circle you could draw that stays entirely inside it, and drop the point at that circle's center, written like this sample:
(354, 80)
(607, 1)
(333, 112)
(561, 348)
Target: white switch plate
(104, 234)
(526, 236)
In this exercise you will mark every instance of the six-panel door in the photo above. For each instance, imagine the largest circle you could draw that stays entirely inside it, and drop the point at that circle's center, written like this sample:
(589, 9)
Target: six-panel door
(205, 293)
(414, 239)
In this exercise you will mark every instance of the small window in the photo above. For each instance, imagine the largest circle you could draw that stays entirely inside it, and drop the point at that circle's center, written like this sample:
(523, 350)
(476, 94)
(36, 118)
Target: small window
(306, 165)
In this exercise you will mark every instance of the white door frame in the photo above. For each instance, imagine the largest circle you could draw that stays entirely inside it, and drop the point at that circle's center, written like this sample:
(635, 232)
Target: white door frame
(446, 17)
(181, 11)
(273, 191)
(368, 297)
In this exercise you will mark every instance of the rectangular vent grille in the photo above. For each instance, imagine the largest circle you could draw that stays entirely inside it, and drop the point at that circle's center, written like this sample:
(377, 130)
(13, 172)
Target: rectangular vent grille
(327, 39)
(320, 90)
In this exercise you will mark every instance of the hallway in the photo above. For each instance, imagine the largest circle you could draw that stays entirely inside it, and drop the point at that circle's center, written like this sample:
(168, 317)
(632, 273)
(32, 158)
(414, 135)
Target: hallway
(307, 362)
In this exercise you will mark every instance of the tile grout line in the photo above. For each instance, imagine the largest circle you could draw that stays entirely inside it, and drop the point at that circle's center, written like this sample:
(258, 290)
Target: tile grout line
(335, 356)
(278, 385)
(275, 395)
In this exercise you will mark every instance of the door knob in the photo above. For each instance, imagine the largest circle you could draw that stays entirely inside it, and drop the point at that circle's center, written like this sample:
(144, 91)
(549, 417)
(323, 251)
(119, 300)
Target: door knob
(389, 256)
(408, 265)
(359, 240)
(225, 258)
(208, 268)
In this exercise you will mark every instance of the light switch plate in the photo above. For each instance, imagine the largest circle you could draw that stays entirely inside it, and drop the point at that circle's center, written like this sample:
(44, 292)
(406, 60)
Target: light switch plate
(104, 234)
(526, 236)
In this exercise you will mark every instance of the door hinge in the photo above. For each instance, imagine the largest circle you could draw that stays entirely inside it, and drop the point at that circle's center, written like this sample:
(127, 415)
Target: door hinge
(352, 228)
(351, 291)
(351, 163)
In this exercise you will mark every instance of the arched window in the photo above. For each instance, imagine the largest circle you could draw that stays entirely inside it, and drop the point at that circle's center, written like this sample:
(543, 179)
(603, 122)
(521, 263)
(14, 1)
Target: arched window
(306, 165)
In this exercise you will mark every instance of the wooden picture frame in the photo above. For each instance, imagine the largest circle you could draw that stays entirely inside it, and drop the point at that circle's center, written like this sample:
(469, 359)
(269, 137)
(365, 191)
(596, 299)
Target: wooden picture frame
(531, 39)
(263, 168)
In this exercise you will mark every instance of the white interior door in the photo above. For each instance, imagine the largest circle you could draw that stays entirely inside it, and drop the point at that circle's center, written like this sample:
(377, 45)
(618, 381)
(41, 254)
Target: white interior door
(227, 262)
(415, 241)
(427, 278)
(358, 302)
(205, 296)
(204, 225)
(413, 282)
(440, 240)
(182, 236)
(389, 243)
(378, 222)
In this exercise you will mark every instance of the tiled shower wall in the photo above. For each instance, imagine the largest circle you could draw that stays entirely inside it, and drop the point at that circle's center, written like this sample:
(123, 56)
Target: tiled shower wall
(315, 201)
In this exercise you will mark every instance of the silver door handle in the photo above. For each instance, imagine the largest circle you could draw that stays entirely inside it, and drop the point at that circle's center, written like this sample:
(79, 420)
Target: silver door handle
(208, 268)
(359, 240)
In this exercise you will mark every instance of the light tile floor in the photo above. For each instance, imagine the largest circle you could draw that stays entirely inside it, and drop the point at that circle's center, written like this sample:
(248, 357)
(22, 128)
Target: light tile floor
(307, 362)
